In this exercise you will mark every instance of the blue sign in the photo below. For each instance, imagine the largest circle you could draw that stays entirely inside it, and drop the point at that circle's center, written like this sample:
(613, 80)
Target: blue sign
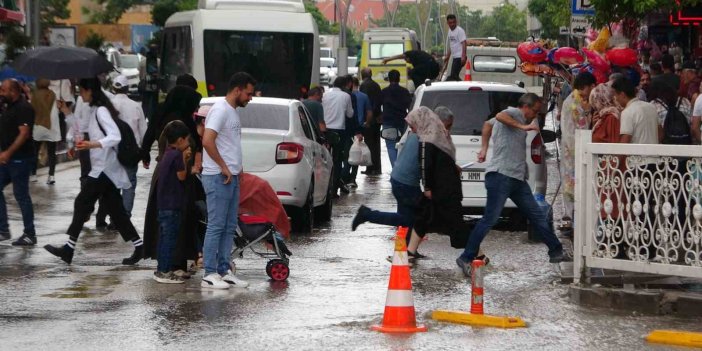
(583, 8)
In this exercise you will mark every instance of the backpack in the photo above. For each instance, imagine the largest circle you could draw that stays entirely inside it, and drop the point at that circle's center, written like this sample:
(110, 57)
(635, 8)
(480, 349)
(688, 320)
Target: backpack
(676, 127)
(128, 151)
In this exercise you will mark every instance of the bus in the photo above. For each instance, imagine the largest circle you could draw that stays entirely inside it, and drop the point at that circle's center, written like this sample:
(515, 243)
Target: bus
(380, 43)
(275, 41)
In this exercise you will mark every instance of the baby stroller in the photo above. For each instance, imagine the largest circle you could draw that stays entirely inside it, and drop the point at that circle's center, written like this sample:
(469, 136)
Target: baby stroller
(253, 229)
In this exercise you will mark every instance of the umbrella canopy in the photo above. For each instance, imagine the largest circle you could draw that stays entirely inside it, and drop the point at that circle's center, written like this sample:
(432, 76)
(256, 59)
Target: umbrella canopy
(62, 62)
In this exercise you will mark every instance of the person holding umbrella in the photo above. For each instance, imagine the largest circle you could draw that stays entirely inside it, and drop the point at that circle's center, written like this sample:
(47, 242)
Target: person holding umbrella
(106, 176)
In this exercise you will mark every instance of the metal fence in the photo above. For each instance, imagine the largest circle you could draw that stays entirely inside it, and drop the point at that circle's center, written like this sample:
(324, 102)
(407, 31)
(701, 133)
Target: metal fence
(638, 208)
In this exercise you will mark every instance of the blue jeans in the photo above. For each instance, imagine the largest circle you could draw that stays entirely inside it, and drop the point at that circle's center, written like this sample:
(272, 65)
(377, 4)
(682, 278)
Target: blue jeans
(392, 151)
(222, 211)
(169, 223)
(17, 172)
(129, 194)
(408, 198)
(499, 188)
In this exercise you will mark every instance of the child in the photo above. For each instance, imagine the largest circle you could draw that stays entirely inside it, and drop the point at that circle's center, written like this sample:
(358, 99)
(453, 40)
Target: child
(170, 196)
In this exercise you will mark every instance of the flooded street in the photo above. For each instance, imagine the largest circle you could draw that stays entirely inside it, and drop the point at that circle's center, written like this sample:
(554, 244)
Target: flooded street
(336, 291)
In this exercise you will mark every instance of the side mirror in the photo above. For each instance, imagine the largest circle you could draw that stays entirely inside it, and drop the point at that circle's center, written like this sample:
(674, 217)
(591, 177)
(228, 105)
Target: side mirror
(548, 136)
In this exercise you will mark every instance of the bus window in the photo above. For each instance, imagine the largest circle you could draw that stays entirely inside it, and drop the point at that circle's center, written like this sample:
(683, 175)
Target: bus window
(176, 54)
(383, 50)
(502, 64)
(280, 62)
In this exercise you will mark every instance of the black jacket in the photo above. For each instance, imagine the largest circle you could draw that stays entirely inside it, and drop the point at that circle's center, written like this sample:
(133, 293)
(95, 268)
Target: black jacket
(375, 95)
(439, 173)
(396, 103)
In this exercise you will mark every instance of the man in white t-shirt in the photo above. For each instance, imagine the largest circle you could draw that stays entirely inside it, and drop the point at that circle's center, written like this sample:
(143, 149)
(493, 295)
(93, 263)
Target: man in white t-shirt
(221, 165)
(639, 120)
(696, 123)
(455, 48)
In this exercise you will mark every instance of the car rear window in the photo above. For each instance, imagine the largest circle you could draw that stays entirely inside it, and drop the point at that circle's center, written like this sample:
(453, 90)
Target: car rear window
(262, 116)
(471, 108)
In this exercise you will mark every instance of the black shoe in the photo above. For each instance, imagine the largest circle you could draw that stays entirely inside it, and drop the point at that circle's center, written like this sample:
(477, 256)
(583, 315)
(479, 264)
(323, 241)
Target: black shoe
(5, 236)
(64, 253)
(101, 226)
(135, 257)
(25, 240)
(344, 188)
(360, 217)
(559, 257)
(112, 227)
(352, 185)
(416, 255)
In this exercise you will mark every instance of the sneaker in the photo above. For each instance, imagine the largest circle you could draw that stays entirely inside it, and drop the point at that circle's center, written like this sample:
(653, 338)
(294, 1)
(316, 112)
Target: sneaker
(5, 236)
(484, 258)
(182, 274)
(51, 180)
(136, 256)
(233, 281)
(360, 217)
(214, 281)
(416, 255)
(352, 185)
(168, 278)
(344, 188)
(25, 240)
(559, 257)
(465, 267)
(64, 252)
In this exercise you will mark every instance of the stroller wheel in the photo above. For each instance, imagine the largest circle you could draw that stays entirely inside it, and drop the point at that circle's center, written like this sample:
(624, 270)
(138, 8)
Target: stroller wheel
(278, 270)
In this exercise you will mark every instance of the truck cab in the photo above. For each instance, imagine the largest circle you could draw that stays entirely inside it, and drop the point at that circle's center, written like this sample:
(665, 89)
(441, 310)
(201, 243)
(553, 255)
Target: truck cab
(380, 43)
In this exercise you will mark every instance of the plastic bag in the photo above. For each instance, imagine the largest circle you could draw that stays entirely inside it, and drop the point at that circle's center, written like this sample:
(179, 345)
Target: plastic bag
(356, 154)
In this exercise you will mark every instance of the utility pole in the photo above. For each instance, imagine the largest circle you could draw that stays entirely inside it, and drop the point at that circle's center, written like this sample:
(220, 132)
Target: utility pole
(342, 57)
(32, 29)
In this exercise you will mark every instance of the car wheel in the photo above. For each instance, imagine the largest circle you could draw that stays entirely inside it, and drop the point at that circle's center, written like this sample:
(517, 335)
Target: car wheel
(323, 213)
(303, 217)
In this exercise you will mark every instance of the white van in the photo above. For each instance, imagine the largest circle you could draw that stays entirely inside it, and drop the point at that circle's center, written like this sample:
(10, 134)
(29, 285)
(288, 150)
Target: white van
(275, 41)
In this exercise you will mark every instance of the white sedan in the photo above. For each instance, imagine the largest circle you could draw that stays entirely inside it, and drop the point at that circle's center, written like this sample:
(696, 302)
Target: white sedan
(282, 144)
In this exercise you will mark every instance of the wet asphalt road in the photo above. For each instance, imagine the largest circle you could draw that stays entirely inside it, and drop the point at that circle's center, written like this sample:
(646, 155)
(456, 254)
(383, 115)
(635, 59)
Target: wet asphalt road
(335, 292)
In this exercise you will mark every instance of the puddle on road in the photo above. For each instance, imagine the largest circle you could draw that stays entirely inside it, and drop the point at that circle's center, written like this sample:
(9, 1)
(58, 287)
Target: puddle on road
(91, 286)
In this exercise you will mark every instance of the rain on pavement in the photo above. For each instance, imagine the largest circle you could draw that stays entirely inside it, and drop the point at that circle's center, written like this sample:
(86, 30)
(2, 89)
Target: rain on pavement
(335, 292)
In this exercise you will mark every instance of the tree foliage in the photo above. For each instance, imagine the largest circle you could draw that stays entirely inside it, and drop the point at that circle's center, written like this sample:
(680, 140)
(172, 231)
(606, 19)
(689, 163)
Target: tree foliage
(94, 41)
(52, 10)
(609, 11)
(111, 10)
(323, 25)
(16, 41)
(552, 14)
(506, 22)
(163, 9)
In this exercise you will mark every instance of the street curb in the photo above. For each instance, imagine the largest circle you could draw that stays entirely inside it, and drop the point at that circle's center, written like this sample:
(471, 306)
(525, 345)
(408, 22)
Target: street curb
(652, 302)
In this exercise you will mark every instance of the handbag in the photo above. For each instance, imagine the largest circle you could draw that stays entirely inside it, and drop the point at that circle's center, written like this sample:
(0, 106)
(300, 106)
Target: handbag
(390, 133)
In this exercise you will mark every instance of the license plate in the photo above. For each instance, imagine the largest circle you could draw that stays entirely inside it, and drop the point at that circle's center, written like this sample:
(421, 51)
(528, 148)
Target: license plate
(472, 176)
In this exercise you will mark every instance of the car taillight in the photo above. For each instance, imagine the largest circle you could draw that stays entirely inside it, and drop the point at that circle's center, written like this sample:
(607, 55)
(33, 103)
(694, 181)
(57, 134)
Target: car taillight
(536, 149)
(287, 153)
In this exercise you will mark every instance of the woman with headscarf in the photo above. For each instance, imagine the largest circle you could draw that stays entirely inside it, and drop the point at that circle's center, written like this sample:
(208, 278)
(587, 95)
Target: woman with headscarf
(181, 103)
(605, 115)
(46, 125)
(441, 210)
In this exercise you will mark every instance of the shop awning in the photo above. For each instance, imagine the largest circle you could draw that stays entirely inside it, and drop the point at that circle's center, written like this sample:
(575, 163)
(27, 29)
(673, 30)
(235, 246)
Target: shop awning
(10, 16)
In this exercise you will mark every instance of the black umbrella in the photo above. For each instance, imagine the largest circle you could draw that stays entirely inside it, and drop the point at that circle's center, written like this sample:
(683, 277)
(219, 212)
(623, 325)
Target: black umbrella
(61, 62)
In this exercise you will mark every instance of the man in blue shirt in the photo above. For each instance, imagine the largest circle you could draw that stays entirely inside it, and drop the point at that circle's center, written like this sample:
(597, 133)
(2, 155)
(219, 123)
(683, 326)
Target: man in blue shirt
(364, 114)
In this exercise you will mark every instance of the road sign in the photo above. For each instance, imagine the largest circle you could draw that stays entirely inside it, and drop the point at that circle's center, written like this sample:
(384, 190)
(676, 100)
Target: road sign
(564, 30)
(583, 8)
(579, 26)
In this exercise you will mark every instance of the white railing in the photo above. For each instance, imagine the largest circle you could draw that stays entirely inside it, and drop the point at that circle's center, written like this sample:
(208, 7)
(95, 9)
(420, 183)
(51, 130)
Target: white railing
(638, 208)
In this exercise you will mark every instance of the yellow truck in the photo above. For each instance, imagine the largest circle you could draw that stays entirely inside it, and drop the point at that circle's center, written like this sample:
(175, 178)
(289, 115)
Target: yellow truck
(380, 43)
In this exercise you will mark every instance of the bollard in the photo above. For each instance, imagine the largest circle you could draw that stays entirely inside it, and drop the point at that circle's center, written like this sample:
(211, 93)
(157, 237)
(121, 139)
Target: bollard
(476, 298)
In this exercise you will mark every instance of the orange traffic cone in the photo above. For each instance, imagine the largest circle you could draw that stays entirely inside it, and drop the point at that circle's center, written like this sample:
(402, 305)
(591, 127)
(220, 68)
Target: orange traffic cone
(468, 76)
(399, 316)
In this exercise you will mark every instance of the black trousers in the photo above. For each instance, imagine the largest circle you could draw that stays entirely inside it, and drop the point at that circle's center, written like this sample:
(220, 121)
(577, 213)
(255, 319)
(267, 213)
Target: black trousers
(50, 150)
(91, 191)
(455, 70)
(371, 135)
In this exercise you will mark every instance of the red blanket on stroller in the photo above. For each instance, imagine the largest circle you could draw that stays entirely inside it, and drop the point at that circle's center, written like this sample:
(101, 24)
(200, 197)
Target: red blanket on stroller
(258, 198)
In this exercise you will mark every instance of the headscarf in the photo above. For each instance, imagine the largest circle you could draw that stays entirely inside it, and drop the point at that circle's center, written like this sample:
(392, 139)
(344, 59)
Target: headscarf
(42, 101)
(431, 130)
(603, 103)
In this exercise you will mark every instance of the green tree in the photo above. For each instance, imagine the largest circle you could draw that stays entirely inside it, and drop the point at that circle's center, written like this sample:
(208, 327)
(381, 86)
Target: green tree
(552, 14)
(609, 11)
(163, 9)
(323, 25)
(16, 41)
(506, 22)
(51, 11)
(111, 10)
(94, 41)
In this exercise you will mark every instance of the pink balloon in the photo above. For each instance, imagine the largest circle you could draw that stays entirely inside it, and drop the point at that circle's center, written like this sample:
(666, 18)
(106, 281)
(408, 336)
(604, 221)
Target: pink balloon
(596, 60)
(623, 57)
(568, 56)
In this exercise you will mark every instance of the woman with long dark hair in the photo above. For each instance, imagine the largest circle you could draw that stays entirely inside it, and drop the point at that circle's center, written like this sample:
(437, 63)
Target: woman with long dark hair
(106, 176)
